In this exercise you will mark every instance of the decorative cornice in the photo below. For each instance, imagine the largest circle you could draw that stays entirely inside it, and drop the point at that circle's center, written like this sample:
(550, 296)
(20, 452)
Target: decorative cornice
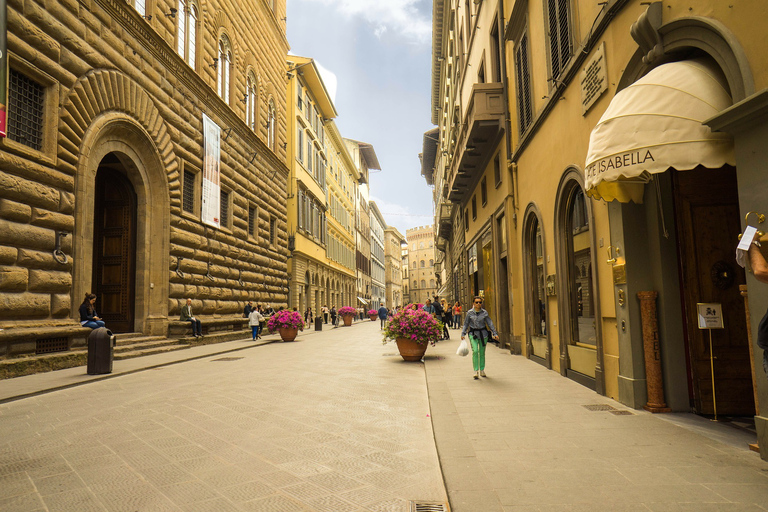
(645, 32)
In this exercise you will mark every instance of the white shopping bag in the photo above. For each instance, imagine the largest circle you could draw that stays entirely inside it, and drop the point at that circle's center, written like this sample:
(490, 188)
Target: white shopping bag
(463, 349)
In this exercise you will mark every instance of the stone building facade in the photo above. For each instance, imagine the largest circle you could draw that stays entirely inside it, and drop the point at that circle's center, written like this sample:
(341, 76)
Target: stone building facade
(102, 181)
(393, 250)
(320, 195)
(378, 258)
(421, 262)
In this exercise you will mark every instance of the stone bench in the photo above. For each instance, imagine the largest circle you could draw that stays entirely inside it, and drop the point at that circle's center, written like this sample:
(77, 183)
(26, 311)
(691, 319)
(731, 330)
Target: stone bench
(25, 340)
(181, 328)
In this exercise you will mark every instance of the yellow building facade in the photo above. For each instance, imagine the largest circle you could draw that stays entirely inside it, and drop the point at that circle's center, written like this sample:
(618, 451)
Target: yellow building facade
(629, 158)
(320, 196)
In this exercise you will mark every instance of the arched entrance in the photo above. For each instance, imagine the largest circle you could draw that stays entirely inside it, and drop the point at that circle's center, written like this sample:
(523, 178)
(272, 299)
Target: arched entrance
(114, 245)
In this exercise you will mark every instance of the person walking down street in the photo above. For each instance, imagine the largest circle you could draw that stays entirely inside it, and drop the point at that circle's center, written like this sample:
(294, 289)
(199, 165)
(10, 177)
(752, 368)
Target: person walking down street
(457, 315)
(383, 314)
(325, 314)
(254, 320)
(333, 316)
(187, 316)
(478, 323)
(440, 315)
(88, 316)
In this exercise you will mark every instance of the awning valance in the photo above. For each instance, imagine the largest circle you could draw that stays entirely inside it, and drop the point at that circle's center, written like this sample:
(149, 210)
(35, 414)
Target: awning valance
(655, 124)
(364, 301)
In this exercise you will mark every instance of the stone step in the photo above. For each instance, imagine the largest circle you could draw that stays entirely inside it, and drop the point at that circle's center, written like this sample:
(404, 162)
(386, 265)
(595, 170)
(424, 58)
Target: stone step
(129, 345)
(138, 352)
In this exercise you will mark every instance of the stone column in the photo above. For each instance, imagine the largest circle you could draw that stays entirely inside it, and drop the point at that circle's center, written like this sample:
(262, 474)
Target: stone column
(652, 349)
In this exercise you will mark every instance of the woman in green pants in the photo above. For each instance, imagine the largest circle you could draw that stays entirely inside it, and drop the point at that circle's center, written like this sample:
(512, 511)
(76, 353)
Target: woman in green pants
(478, 323)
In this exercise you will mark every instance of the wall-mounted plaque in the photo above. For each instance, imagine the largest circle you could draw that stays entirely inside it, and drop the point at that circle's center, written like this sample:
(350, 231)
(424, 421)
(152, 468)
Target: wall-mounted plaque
(593, 78)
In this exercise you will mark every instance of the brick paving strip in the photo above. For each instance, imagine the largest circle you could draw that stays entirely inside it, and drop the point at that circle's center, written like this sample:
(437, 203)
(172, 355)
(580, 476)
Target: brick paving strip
(333, 422)
(522, 440)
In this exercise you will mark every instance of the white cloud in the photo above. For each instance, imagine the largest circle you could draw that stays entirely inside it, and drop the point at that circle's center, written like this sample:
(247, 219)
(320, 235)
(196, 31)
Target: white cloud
(329, 79)
(391, 16)
(402, 217)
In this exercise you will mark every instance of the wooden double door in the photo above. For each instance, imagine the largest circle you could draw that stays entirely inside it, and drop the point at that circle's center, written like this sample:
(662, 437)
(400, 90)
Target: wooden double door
(708, 222)
(114, 246)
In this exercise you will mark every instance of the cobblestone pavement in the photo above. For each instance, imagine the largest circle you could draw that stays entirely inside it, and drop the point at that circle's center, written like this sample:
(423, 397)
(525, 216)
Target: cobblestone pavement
(334, 421)
(521, 440)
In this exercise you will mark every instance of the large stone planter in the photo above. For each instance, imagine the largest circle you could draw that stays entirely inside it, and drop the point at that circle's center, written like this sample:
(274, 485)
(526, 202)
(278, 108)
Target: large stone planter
(288, 333)
(347, 320)
(410, 350)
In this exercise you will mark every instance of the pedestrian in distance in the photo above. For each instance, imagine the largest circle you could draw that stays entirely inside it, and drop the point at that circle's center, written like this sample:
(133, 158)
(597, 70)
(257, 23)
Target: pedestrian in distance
(325, 311)
(254, 320)
(187, 316)
(383, 314)
(440, 315)
(479, 324)
(457, 315)
(333, 316)
(428, 307)
(88, 316)
(247, 309)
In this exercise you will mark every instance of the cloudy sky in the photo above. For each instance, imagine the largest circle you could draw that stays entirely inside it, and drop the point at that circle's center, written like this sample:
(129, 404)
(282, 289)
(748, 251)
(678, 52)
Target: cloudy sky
(379, 52)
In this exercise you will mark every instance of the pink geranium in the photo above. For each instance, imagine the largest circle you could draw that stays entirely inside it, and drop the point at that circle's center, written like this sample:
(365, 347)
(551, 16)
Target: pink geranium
(414, 323)
(285, 319)
(347, 310)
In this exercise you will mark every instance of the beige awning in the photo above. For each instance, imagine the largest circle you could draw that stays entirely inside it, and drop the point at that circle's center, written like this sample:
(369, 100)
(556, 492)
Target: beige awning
(655, 124)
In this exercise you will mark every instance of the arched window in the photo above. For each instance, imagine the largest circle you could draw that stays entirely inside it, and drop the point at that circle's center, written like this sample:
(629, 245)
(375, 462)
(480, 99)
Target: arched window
(431, 263)
(579, 268)
(224, 64)
(421, 245)
(186, 43)
(252, 96)
(431, 283)
(415, 284)
(423, 283)
(271, 124)
(421, 263)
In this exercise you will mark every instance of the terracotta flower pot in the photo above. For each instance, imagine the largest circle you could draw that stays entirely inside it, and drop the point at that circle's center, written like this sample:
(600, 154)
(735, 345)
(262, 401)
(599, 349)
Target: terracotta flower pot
(373, 317)
(347, 320)
(288, 333)
(410, 350)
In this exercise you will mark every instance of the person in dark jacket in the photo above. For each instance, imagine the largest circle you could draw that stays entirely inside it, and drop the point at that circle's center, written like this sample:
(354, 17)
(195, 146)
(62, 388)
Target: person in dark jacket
(383, 314)
(478, 323)
(88, 316)
(247, 309)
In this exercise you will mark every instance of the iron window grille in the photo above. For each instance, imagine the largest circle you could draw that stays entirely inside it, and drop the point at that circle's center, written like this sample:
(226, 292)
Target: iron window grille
(224, 208)
(252, 221)
(188, 194)
(26, 106)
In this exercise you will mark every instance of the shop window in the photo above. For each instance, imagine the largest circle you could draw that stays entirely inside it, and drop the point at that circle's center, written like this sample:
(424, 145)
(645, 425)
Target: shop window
(579, 269)
(538, 306)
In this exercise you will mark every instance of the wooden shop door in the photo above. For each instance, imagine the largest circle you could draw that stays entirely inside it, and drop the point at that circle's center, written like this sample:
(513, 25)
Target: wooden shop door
(707, 211)
(114, 246)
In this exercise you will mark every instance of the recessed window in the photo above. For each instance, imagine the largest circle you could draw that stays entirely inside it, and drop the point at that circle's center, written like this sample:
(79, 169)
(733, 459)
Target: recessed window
(186, 38)
(474, 207)
(188, 195)
(224, 209)
(253, 221)
(223, 67)
(497, 170)
(271, 114)
(483, 192)
(251, 100)
(26, 107)
(272, 231)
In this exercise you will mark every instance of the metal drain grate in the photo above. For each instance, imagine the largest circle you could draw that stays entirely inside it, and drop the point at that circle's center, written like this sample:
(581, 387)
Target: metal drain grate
(429, 506)
(48, 345)
(599, 407)
(226, 359)
(623, 413)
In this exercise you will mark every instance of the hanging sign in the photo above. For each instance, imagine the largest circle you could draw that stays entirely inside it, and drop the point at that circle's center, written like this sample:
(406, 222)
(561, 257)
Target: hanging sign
(710, 315)
(211, 209)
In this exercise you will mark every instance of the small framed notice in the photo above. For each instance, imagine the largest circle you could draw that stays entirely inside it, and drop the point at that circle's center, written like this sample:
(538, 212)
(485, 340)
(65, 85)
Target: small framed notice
(710, 315)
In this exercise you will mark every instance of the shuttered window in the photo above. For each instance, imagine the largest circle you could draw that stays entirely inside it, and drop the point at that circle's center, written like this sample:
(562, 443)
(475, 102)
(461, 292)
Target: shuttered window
(523, 84)
(188, 199)
(224, 209)
(559, 35)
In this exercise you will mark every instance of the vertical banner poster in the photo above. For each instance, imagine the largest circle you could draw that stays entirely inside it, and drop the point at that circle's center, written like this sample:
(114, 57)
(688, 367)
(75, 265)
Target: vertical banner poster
(3, 68)
(211, 212)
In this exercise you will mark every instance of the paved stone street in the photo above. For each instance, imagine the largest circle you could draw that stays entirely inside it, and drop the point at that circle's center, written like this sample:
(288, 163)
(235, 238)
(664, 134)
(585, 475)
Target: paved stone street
(337, 422)
(323, 424)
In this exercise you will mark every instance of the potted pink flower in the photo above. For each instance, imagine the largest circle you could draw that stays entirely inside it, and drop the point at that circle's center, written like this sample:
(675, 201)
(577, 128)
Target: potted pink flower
(288, 323)
(347, 313)
(373, 314)
(413, 329)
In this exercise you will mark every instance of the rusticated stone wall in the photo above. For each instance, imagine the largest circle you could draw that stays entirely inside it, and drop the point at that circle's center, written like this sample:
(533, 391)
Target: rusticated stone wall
(114, 83)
